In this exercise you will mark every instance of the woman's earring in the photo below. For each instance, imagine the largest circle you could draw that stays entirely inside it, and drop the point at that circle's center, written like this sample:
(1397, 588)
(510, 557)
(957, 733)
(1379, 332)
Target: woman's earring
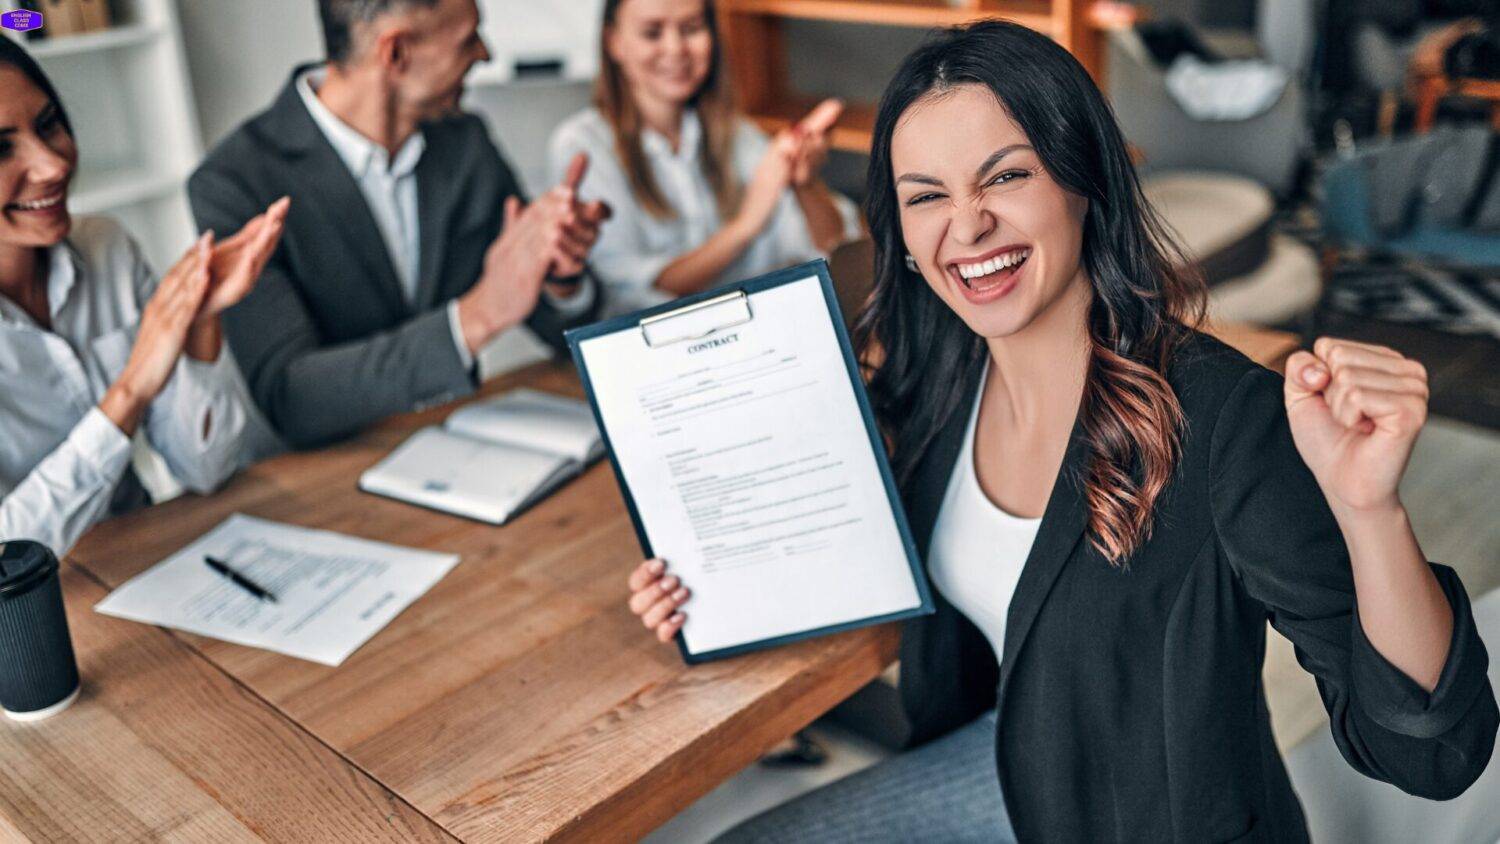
(911, 264)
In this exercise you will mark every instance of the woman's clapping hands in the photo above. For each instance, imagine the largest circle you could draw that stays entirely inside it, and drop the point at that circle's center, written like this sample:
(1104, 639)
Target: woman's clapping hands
(236, 262)
(808, 148)
(183, 312)
(792, 161)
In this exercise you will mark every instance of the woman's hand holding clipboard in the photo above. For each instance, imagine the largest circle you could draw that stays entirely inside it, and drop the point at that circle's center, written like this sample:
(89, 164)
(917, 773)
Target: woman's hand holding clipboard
(747, 455)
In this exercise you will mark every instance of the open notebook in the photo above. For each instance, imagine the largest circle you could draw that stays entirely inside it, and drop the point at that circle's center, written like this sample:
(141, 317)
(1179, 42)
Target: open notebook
(491, 459)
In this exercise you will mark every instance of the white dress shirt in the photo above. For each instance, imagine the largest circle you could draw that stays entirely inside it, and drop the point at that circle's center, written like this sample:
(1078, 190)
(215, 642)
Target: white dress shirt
(978, 549)
(634, 247)
(389, 186)
(63, 464)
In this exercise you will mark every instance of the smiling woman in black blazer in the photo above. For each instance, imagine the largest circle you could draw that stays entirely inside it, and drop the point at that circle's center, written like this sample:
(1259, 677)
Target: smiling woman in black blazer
(1112, 505)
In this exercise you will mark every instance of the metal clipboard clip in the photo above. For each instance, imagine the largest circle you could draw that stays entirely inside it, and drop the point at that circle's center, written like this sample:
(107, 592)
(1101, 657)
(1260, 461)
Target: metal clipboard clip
(697, 320)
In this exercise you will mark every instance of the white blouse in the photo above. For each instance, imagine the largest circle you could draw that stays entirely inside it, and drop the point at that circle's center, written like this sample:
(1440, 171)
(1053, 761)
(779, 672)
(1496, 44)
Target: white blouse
(978, 550)
(63, 464)
(634, 247)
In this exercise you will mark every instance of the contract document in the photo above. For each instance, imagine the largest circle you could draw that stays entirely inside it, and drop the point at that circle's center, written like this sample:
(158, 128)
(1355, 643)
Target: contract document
(332, 592)
(744, 446)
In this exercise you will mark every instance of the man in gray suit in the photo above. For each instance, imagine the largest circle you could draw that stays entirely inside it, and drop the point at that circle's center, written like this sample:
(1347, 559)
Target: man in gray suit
(407, 246)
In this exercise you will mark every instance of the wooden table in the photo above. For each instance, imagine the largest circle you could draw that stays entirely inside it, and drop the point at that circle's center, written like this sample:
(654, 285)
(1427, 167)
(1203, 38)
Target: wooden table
(518, 700)
(161, 744)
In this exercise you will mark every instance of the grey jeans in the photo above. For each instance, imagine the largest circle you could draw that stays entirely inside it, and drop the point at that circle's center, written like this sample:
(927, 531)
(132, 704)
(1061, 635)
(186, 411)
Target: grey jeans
(945, 790)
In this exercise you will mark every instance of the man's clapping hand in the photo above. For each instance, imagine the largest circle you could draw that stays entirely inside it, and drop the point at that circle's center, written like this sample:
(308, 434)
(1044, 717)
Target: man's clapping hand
(548, 238)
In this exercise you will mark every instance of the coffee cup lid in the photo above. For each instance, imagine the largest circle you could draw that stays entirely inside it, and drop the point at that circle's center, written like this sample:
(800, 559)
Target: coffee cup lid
(22, 564)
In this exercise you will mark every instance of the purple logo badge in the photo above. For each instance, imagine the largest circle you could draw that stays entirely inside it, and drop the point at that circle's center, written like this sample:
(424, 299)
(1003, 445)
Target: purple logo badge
(21, 20)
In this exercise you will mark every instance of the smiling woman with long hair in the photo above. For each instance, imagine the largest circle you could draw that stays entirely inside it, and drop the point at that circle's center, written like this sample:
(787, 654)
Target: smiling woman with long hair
(700, 195)
(93, 347)
(1111, 505)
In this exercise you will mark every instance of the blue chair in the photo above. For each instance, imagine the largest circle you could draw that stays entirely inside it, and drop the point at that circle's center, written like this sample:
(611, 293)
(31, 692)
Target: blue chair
(1347, 215)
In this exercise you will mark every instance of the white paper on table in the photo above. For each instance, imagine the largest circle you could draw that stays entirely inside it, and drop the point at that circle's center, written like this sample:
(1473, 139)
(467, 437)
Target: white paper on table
(333, 591)
(753, 473)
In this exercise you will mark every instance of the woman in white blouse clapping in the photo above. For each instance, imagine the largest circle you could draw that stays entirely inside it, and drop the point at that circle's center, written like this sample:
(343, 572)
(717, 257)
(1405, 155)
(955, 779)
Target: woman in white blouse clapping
(92, 346)
(700, 196)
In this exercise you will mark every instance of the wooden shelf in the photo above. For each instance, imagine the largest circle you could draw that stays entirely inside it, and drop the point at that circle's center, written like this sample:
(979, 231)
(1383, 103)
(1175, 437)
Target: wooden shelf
(912, 13)
(852, 133)
(114, 38)
(754, 41)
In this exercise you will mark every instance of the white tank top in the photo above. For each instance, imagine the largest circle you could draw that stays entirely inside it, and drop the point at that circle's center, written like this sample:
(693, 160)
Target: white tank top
(978, 549)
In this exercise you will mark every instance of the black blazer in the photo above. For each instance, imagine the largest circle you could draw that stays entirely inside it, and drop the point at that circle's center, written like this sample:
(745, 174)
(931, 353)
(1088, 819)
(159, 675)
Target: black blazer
(327, 342)
(1130, 701)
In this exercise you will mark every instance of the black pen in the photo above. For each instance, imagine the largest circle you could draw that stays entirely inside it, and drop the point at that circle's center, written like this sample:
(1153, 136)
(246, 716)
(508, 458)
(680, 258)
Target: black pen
(239, 579)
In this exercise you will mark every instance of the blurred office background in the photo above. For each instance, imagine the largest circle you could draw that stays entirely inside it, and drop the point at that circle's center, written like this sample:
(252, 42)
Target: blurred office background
(1330, 164)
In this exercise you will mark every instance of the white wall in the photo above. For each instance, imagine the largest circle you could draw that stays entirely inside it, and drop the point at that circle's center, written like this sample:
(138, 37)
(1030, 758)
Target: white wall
(241, 53)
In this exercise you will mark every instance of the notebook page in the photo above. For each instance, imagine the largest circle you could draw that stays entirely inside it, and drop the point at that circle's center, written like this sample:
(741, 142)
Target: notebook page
(532, 418)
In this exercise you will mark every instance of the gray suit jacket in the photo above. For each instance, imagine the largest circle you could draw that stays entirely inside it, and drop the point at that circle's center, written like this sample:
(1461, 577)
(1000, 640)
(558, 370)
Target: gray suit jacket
(327, 342)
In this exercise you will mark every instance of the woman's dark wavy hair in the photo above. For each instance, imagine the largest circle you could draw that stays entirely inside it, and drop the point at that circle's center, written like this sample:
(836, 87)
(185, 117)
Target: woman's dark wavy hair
(921, 358)
(14, 55)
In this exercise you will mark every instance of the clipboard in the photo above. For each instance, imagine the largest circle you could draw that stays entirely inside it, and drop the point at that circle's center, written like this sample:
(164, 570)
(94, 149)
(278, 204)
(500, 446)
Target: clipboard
(702, 320)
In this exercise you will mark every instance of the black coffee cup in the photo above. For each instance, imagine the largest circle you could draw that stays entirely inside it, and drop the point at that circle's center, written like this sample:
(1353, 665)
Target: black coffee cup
(38, 673)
